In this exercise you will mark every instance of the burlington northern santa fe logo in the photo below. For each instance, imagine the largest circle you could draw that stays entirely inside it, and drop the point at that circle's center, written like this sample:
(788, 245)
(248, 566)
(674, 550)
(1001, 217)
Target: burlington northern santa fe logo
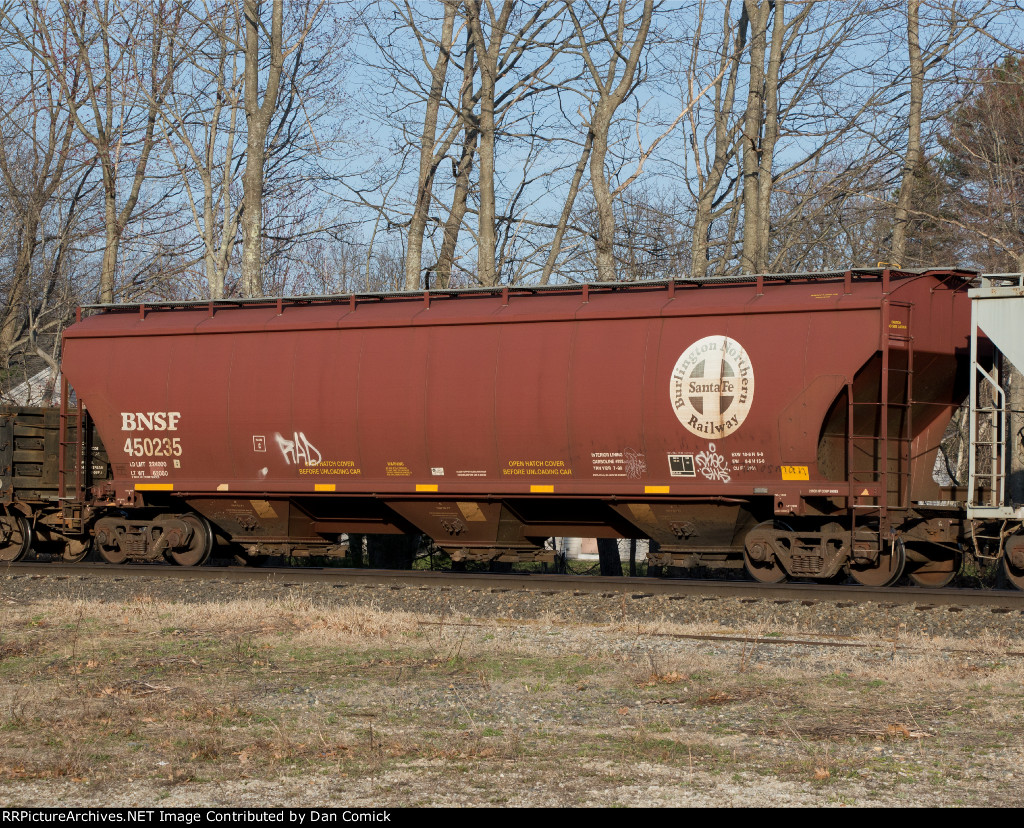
(712, 387)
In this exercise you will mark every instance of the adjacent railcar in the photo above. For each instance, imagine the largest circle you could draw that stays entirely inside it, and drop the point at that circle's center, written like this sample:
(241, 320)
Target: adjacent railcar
(40, 505)
(790, 424)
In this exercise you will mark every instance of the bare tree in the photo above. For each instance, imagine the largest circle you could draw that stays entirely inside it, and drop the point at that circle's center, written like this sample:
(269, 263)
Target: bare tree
(202, 127)
(817, 99)
(914, 155)
(430, 154)
(507, 56)
(614, 80)
(112, 52)
(501, 49)
(761, 121)
(257, 115)
(38, 144)
(948, 25)
(463, 168)
(711, 165)
(267, 55)
(981, 169)
(487, 50)
(567, 208)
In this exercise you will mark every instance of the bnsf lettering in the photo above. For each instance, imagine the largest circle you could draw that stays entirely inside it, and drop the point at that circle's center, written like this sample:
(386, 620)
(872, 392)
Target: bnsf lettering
(150, 420)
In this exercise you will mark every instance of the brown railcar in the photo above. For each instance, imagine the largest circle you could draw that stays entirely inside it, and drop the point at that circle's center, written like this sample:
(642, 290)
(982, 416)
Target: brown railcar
(48, 459)
(787, 423)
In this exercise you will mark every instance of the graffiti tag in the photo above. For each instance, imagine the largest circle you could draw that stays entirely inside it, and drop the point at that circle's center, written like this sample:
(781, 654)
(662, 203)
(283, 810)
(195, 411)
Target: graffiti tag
(298, 451)
(713, 465)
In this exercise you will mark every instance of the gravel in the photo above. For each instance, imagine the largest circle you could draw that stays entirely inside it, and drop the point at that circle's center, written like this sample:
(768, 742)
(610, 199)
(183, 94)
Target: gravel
(886, 620)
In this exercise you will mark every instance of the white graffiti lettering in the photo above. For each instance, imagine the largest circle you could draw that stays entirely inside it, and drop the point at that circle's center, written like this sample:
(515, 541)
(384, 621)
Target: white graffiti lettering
(298, 451)
(636, 464)
(713, 465)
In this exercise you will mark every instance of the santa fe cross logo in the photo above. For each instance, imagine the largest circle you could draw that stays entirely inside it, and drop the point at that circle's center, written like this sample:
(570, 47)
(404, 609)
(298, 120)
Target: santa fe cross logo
(712, 387)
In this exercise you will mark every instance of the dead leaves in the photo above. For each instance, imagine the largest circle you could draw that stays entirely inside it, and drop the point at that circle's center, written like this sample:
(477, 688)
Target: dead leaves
(654, 679)
(279, 750)
(904, 732)
(59, 769)
(129, 689)
(840, 732)
(716, 699)
(16, 649)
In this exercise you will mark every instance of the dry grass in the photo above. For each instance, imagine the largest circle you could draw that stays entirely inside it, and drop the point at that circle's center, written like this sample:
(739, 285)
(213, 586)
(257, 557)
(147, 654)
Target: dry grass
(179, 696)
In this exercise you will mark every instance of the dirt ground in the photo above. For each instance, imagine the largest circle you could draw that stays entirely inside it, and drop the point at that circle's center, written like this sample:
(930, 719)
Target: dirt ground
(302, 701)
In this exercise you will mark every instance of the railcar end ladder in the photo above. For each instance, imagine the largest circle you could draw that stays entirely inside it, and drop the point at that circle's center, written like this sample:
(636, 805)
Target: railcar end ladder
(890, 454)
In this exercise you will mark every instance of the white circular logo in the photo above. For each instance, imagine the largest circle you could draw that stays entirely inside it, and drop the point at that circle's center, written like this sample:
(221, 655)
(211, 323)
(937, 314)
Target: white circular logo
(712, 387)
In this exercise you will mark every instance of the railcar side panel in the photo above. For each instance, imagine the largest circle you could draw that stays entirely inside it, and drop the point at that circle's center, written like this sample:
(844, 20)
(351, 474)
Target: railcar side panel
(605, 400)
(679, 413)
(459, 404)
(529, 391)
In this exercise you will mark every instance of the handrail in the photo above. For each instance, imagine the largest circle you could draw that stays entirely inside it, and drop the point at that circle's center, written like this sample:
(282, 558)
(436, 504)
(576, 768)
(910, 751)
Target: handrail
(760, 280)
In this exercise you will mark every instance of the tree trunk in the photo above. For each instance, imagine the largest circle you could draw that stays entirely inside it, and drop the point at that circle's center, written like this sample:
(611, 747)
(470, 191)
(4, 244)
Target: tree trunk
(753, 121)
(487, 57)
(257, 116)
(724, 146)
(446, 258)
(769, 137)
(391, 551)
(604, 244)
(112, 240)
(14, 310)
(570, 200)
(355, 550)
(252, 216)
(611, 91)
(608, 555)
(445, 263)
(912, 160)
(428, 161)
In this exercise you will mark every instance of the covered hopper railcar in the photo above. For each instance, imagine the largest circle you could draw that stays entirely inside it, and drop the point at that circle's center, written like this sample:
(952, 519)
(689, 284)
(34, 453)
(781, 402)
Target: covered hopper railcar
(790, 424)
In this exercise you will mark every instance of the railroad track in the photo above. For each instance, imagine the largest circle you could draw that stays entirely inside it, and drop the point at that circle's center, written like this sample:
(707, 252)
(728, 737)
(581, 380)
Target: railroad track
(997, 600)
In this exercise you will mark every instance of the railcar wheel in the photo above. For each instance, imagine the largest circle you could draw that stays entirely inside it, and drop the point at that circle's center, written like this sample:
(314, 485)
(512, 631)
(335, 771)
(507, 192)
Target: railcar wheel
(937, 572)
(759, 560)
(887, 570)
(201, 546)
(113, 554)
(75, 550)
(1012, 562)
(106, 542)
(764, 573)
(841, 577)
(15, 538)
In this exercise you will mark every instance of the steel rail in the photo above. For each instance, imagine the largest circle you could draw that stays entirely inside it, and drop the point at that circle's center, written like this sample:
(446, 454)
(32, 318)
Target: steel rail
(635, 588)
